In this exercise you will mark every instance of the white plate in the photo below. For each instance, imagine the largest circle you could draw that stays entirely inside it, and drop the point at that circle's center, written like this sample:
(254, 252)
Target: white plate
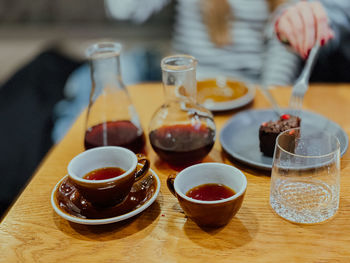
(232, 104)
(104, 221)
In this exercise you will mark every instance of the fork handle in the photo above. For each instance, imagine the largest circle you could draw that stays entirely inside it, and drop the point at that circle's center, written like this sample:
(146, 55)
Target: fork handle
(276, 108)
(310, 62)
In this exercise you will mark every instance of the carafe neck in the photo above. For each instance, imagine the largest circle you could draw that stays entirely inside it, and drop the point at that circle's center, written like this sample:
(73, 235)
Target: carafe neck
(105, 66)
(179, 78)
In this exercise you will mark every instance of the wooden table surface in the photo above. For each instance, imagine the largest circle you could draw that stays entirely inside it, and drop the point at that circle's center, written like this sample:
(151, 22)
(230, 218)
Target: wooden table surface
(33, 232)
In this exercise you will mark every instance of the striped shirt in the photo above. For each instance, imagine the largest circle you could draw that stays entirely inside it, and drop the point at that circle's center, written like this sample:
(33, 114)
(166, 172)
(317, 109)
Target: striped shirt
(251, 56)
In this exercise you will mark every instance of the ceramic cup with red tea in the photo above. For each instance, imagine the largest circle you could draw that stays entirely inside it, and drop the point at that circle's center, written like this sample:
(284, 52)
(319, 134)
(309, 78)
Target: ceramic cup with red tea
(209, 193)
(105, 175)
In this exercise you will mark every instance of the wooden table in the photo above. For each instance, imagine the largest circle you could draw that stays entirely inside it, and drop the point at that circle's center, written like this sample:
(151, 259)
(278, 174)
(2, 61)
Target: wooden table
(32, 232)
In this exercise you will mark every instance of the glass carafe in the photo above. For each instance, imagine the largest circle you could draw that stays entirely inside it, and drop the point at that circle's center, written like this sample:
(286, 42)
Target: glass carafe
(181, 131)
(111, 117)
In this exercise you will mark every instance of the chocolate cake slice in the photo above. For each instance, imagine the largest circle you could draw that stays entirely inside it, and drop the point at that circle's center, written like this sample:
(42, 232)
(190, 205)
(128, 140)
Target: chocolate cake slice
(269, 131)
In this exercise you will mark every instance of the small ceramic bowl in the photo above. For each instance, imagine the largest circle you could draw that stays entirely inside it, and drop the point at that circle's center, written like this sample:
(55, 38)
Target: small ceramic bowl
(209, 213)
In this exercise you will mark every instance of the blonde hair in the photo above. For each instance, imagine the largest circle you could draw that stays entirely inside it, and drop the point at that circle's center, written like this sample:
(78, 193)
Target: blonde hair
(273, 4)
(217, 13)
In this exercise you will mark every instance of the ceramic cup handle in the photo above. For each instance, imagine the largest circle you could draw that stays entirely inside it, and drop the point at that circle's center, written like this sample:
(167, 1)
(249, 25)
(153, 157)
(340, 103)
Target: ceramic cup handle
(170, 183)
(144, 161)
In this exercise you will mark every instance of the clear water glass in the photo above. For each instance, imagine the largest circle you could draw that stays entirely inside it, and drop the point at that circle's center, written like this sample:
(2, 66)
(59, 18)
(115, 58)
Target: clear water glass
(305, 179)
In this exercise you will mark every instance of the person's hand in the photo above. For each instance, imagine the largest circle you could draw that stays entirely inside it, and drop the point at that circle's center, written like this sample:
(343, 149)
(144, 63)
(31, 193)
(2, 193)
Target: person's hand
(302, 24)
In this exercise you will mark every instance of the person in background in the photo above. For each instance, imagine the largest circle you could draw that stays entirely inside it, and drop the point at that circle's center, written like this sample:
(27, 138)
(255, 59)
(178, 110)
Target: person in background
(326, 21)
(302, 25)
(234, 38)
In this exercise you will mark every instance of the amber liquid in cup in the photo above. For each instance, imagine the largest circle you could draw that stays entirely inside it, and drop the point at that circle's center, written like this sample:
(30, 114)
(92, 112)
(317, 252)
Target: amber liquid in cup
(104, 173)
(210, 192)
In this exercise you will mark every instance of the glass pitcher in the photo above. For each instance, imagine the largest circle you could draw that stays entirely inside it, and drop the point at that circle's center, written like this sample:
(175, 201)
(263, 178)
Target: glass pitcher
(111, 117)
(181, 131)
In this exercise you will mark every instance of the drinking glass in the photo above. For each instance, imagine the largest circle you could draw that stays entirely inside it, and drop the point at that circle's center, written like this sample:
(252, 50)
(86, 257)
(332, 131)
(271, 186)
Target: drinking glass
(305, 179)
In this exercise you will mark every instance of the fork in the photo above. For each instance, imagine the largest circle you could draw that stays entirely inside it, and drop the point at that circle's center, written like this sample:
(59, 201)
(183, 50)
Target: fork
(266, 92)
(302, 83)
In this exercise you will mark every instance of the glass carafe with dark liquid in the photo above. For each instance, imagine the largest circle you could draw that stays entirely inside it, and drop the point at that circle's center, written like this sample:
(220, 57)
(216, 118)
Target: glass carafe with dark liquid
(111, 118)
(181, 131)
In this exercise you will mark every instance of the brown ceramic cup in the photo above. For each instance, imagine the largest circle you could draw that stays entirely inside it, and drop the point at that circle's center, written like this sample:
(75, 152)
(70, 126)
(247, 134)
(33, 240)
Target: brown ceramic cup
(108, 192)
(209, 213)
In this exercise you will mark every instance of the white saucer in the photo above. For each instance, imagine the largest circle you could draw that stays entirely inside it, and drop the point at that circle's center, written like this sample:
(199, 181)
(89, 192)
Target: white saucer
(104, 221)
(231, 104)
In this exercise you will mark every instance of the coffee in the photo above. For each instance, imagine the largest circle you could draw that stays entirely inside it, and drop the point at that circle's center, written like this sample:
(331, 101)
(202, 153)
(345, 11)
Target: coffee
(210, 192)
(182, 144)
(100, 177)
(104, 173)
(115, 133)
(213, 202)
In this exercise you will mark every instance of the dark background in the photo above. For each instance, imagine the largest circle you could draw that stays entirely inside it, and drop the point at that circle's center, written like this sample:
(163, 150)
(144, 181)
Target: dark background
(41, 43)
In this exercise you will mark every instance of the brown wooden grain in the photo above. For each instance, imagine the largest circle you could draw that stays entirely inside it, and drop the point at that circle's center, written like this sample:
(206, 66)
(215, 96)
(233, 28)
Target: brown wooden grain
(32, 232)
